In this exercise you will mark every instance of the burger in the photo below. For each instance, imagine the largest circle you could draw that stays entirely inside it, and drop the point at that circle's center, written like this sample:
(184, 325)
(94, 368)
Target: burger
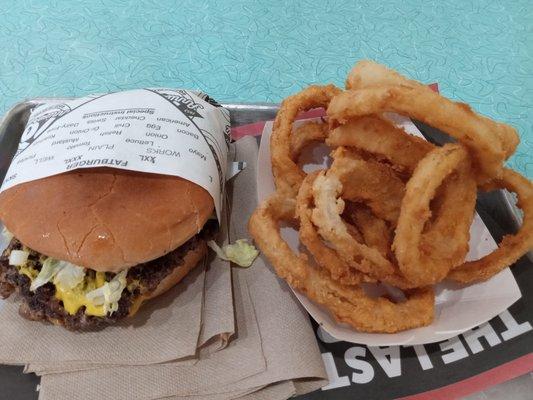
(87, 248)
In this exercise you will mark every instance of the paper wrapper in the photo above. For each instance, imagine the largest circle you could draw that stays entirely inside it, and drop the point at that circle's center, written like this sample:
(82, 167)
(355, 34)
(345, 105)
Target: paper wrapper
(457, 308)
(164, 131)
(274, 342)
(218, 320)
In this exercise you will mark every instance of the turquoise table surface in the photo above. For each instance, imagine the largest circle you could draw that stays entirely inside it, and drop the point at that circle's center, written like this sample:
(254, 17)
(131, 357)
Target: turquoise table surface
(479, 52)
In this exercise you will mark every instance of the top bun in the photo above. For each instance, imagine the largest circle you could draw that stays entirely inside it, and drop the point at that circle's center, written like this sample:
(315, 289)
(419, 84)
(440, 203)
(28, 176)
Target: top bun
(105, 219)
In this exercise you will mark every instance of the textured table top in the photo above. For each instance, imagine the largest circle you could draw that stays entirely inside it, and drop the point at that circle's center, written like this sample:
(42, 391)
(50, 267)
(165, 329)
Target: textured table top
(480, 52)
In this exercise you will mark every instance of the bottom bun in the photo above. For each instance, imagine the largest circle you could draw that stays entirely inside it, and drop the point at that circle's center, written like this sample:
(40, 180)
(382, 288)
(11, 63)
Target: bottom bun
(191, 260)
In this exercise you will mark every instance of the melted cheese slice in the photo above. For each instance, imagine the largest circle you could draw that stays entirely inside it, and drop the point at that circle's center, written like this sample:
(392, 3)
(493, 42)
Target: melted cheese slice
(75, 298)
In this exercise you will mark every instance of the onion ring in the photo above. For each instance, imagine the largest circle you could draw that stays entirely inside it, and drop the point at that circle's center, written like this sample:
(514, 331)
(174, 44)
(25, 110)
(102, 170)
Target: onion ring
(347, 304)
(366, 74)
(325, 257)
(326, 216)
(392, 208)
(512, 247)
(377, 234)
(368, 181)
(379, 137)
(417, 266)
(306, 134)
(287, 175)
(448, 233)
(477, 133)
(354, 232)
(374, 230)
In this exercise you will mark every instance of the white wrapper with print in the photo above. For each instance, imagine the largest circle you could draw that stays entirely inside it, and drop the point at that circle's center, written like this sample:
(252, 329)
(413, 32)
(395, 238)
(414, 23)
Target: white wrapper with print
(165, 131)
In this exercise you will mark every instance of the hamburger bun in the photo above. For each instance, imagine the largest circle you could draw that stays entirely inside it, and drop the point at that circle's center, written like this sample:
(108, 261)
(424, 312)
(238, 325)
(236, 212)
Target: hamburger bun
(105, 219)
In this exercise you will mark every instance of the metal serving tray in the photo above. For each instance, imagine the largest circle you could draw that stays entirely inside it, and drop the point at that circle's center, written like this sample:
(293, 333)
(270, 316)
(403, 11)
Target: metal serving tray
(496, 206)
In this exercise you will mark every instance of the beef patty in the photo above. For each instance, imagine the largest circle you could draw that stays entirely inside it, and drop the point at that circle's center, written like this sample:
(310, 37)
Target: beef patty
(42, 305)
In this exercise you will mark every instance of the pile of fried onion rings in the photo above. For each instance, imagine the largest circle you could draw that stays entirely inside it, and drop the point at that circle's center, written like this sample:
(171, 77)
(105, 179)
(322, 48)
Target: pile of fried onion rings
(392, 209)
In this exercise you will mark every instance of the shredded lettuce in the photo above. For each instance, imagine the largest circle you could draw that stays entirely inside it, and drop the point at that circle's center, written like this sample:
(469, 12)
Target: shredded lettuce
(109, 294)
(69, 276)
(69, 280)
(241, 252)
(62, 273)
(47, 273)
(18, 257)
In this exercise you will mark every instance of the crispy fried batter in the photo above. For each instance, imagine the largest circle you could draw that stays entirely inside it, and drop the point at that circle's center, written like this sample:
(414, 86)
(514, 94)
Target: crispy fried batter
(478, 134)
(391, 208)
(348, 304)
(326, 257)
(379, 137)
(512, 247)
(287, 175)
(417, 265)
(369, 181)
(308, 133)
